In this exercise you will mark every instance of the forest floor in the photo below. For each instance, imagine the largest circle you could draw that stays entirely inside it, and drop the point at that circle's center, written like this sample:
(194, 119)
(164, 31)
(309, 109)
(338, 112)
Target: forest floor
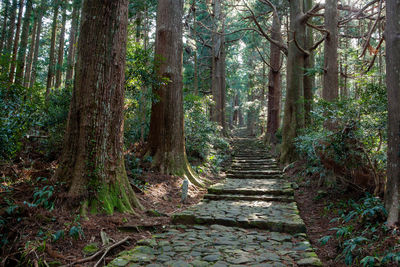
(36, 234)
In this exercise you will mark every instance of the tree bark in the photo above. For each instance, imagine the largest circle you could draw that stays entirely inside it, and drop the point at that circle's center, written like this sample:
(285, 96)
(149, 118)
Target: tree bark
(166, 137)
(392, 36)
(19, 76)
(4, 25)
(309, 80)
(11, 27)
(16, 42)
(274, 83)
(40, 13)
(29, 59)
(293, 119)
(50, 72)
(72, 41)
(60, 60)
(330, 91)
(92, 161)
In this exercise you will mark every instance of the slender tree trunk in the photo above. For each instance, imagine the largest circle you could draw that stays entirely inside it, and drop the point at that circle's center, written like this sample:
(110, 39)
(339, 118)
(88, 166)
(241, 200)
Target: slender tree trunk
(16, 42)
(50, 72)
(60, 59)
(92, 162)
(392, 36)
(29, 59)
(11, 27)
(309, 80)
(196, 74)
(274, 84)
(41, 11)
(166, 138)
(72, 41)
(4, 25)
(236, 110)
(19, 76)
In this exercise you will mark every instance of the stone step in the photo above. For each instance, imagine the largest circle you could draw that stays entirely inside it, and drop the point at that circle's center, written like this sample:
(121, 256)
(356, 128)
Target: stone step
(267, 197)
(255, 172)
(252, 187)
(217, 245)
(257, 160)
(254, 165)
(254, 176)
(273, 216)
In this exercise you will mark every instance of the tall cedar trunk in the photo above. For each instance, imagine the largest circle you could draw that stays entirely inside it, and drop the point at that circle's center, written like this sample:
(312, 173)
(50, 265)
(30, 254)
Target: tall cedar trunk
(40, 13)
(236, 110)
(16, 41)
(23, 44)
(293, 119)
(50, 72)
(251, 97)
(330, 90)
(262, 98)
(29, 59)
(392, 36)
(4, 25)
(274, 84)
(195, 74)
(166, 137)
(309, 80)
(72, 41)
(92, 161)
(11, 27)
(218, 66)
(60, 59)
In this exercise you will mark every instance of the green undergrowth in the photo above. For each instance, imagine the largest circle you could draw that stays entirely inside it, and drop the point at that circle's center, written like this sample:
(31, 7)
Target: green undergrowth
(361, 232)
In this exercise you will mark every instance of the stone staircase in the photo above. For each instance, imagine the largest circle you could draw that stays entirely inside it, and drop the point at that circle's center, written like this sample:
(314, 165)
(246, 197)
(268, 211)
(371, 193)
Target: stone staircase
(249, 219)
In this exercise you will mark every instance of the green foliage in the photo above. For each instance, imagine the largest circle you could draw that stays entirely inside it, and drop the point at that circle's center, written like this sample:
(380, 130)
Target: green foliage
(362, 232)
(358, 137)
(204, 140)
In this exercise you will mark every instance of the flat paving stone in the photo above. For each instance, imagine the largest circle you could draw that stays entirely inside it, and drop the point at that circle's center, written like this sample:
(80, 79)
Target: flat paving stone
(274, 216)
(267, 197)
(252, 187)
(217, 245)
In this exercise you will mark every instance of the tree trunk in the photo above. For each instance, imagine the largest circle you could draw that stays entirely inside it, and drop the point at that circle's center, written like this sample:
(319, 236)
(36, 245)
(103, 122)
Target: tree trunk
(166, 137)
(72, 41)
(29, 60)
(11, 27)
(19, 76)
(16, 42)
(50, 72)
(274, 83)
(330, 90)
(218, 66)
(392, 36)
(309, 80)
(40, 12)
(4, 25)
(293, 119)
(60, 59)
(92, 161)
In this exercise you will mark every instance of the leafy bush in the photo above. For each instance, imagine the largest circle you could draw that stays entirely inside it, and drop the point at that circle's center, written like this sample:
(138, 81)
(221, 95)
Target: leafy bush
(355, 142)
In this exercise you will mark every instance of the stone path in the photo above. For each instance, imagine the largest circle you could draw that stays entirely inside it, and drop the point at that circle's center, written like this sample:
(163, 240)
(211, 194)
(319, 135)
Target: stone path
(250, 219)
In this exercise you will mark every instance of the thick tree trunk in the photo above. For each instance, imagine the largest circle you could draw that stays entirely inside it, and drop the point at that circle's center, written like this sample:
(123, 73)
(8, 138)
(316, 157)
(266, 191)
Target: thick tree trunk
(392, 36)
(50, 72)
(41, 11)
(309, 80)
(92, 161)
(19, 76)
(293, 119)
(29, 59)
(166, 138)
(16, 41)
(274, 83)
(60, 59)
(4, 25)
(330, 91)
(218, 66)
(72, 41)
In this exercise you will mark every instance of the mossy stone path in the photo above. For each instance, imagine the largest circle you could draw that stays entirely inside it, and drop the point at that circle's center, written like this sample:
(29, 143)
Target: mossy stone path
(250, 219)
